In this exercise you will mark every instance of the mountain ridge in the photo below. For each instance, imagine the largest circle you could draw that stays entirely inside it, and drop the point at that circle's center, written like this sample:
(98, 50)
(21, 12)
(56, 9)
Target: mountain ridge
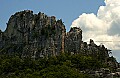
(38, 36)
(45, 33)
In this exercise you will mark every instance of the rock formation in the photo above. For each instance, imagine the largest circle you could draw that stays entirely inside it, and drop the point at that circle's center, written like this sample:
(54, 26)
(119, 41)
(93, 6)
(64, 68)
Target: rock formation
(34, 34)
(73, 40)
(39, 35)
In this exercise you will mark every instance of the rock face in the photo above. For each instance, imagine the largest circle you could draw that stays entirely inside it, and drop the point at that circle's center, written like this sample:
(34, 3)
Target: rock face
(38, 35)
(73, 40)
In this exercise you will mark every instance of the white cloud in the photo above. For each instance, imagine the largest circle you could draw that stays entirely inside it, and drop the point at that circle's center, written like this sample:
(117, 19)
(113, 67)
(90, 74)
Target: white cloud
(105, 26)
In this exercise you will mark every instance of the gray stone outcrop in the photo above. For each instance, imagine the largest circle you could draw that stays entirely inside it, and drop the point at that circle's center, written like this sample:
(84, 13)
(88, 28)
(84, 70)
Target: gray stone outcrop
(39, 35)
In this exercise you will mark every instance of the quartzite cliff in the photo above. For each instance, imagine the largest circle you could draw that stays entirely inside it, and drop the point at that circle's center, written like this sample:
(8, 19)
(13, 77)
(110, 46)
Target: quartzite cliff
(38, 35)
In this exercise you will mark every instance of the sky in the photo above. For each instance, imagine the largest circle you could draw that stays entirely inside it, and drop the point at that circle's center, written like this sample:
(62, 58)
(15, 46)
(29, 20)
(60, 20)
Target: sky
(99, 19)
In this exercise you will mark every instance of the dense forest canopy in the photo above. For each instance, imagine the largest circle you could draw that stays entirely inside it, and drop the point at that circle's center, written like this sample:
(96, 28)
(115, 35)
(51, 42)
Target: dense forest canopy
(62, 66)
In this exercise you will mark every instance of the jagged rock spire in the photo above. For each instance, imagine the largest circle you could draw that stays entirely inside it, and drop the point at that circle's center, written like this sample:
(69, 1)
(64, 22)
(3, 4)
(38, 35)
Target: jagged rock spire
(73, 40)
